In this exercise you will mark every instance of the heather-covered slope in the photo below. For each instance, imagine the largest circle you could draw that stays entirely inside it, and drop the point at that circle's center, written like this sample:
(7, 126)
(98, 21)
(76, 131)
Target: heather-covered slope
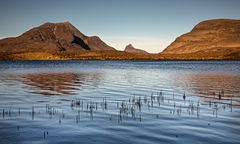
(212, 39)
(53, 37)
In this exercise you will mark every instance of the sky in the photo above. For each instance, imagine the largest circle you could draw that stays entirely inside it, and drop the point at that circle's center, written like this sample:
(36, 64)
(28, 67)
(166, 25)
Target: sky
(147, 24)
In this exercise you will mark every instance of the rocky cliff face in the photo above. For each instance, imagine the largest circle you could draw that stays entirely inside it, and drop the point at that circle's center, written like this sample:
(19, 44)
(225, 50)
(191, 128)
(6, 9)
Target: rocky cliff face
(130, 49)
(214, 38)
(52, 37)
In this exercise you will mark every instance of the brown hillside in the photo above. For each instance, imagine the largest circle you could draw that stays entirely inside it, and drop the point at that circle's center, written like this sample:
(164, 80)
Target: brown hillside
(53, 37)
(212, 39)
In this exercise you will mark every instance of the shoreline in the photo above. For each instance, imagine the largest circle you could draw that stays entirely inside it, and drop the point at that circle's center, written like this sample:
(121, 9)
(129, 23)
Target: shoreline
(109, 55)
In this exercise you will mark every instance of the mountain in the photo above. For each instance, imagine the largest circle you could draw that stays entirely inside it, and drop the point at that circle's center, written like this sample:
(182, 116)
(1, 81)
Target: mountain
(211, 39)
(130, 49)
(53, 37)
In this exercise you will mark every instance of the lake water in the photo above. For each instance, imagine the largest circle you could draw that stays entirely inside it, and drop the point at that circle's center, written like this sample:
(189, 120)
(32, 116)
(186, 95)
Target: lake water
(119, 102)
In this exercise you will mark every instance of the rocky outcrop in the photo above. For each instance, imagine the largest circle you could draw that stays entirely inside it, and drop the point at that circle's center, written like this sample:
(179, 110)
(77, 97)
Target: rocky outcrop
(212, 38)
(53, 37)
(130, 49)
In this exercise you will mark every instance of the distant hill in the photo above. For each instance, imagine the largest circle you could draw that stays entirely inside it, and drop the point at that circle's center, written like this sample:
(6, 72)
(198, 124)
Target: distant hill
(130, 49)
(211, 39)
(53, 37)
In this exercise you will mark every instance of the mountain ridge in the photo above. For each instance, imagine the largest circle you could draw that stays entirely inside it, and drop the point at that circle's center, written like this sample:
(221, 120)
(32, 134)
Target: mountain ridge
(217, 37)
(53, 37)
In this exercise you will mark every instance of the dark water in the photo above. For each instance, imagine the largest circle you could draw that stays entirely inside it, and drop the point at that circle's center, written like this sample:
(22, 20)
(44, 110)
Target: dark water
(120, 102)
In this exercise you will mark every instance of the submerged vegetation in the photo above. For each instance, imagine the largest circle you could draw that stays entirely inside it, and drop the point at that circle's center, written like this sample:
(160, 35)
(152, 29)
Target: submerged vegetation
(118, 111)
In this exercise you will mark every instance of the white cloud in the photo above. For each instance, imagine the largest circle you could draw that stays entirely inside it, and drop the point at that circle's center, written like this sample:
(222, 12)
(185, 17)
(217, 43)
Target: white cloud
(150, 44)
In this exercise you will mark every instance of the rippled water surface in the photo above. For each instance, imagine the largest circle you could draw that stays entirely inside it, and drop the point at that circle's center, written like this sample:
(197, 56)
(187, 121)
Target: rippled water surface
(120, 102)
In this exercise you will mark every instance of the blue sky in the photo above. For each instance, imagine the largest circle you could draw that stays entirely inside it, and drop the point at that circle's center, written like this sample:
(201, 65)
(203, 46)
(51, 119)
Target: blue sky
(147, 24)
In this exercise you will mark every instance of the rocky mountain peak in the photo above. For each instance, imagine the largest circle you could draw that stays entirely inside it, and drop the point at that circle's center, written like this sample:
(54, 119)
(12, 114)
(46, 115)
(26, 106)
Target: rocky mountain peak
(129, 48)
(61, 36)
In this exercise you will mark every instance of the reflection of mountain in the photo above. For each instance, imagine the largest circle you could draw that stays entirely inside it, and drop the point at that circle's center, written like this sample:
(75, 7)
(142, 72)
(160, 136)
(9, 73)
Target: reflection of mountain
(209, 86)
(60, 83)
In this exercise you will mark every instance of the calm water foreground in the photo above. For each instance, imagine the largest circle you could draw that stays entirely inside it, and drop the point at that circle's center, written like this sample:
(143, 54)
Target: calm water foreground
(120, 102)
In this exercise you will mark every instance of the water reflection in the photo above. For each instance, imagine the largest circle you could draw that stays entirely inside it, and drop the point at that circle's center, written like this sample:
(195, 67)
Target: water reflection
(59, 83)
(216, 88)
(110, 101)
